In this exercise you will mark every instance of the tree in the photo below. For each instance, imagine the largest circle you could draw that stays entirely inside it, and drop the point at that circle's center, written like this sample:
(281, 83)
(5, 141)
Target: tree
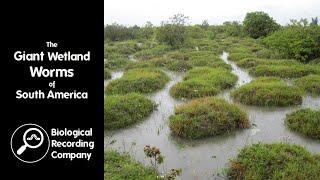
(233, 28)
(205, 24)
(259, 24)
(148, 30)
(174, 31)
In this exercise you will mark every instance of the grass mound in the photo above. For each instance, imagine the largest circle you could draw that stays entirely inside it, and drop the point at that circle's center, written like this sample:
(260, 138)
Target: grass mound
(207, 117)
(107, 73)
(122, 166)
(305, 121)
(138, 80)
(203, 81)
(310, 84)
(123, 110)
(254, 62)
(285, 71)
(238, 56)
(274, 161)
(268, 92)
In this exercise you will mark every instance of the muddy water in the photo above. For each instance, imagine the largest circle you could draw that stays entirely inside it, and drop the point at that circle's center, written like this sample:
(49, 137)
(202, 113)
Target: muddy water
(206, 158)
(114, 75)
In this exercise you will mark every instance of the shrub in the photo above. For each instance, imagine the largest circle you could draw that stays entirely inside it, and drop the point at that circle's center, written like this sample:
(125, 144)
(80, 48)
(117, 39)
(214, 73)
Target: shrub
(259, 24)
(305, 121)
(274, 161)
(122, 166)
(124, 110)
(285, 71)
(138, 80)
(207, 117)
(310, 84)
(203, 81)
(268, 92)
(107, 73)
(233, 28)
(296, 42)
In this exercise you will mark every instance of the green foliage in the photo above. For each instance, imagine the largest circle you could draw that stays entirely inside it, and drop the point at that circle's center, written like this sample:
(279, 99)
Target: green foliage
(155, 51)
(174, 31)
(107, 73)
(254, 62)
(239, 56)
(154, 154)
(268, 92)
(139, 81)
(310, 84)
(274, 161)
(203, 81)
(305, 121)
(121, 166)
(233, 28)
(298, 42)
(207, 117)
(196, 32)
(259, 24)
(116, 32)
(123, 110)
(285, 71)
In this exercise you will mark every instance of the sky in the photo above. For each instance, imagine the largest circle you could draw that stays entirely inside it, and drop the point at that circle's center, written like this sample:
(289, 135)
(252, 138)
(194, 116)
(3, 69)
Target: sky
(138, 12)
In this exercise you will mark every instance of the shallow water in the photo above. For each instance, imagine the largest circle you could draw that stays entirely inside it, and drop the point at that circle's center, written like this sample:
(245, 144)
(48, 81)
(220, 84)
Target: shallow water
(206, 158)
(114, 75)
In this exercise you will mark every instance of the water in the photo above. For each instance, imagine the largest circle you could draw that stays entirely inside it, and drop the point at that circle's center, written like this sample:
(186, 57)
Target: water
(206, 158)
(114, 75)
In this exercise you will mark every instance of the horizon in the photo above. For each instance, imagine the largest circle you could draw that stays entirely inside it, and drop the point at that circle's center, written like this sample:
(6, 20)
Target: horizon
(130, 13)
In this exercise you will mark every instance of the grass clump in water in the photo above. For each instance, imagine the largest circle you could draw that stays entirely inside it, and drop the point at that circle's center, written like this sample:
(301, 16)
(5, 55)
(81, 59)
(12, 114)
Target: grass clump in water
(107, 73)
(123, 110)
(203, 81)
(311, 84)
(207, 117)
(274, 161)
(285, 71)
(122, 166)
(254, 62)
(305, 121)
(268, 91)
(138, 80)
(238, 56)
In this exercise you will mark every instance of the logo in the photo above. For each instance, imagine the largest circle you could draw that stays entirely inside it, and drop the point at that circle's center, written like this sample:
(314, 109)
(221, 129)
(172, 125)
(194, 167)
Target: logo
(30, 143)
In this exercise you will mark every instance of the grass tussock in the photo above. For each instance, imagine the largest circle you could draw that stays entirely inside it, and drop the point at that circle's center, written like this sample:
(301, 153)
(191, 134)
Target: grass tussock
(207, 117)
(203, 81)
(239, 56)
(311, 84)
(123, 110)
(268, 92)
(122, 166)
(138, 80)
(107, 73)
(305, 121)
(254, 62)
(274, 161)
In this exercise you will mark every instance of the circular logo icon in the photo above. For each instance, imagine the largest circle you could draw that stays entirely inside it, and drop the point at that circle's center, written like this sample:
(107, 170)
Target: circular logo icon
(30, 143)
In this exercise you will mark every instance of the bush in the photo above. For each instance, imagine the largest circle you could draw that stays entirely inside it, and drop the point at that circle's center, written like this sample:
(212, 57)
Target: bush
(174, 31)
(138, 80)
(233, 28)
(207, 117)
(268, 92)
(259, 24)
(285, 71)
(310, 84)
(123, 110)
(305, 121)
(296, 42)
(274, 161)
(122, 166)
(203, 81)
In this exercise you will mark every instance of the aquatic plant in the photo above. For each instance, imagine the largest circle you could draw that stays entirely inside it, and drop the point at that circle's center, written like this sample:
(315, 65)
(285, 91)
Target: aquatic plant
(305, 121)
(144, 80)
(207, 117)
(310, 83)
(274, 161)
(123, 110)
(268, 92)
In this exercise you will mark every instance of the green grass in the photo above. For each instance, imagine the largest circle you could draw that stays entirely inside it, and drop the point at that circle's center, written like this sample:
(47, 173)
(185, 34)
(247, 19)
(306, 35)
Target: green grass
(207, 117)
(155, 51)
(254, 62)
(305, 121)
(268, 92)
(123, 110)
(121, 166)
(239, 56)
(285, 71)
(107, 73)
(203, 81)
(138, 80)
(279, 161)
(310, 83)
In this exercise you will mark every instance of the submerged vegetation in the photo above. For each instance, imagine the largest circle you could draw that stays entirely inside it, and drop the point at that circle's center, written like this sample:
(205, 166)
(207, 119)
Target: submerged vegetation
(123, 110)
(207, 117)
(305, 121)
(274, 161)
(203, 81)
(268, 92)
(138, 80)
